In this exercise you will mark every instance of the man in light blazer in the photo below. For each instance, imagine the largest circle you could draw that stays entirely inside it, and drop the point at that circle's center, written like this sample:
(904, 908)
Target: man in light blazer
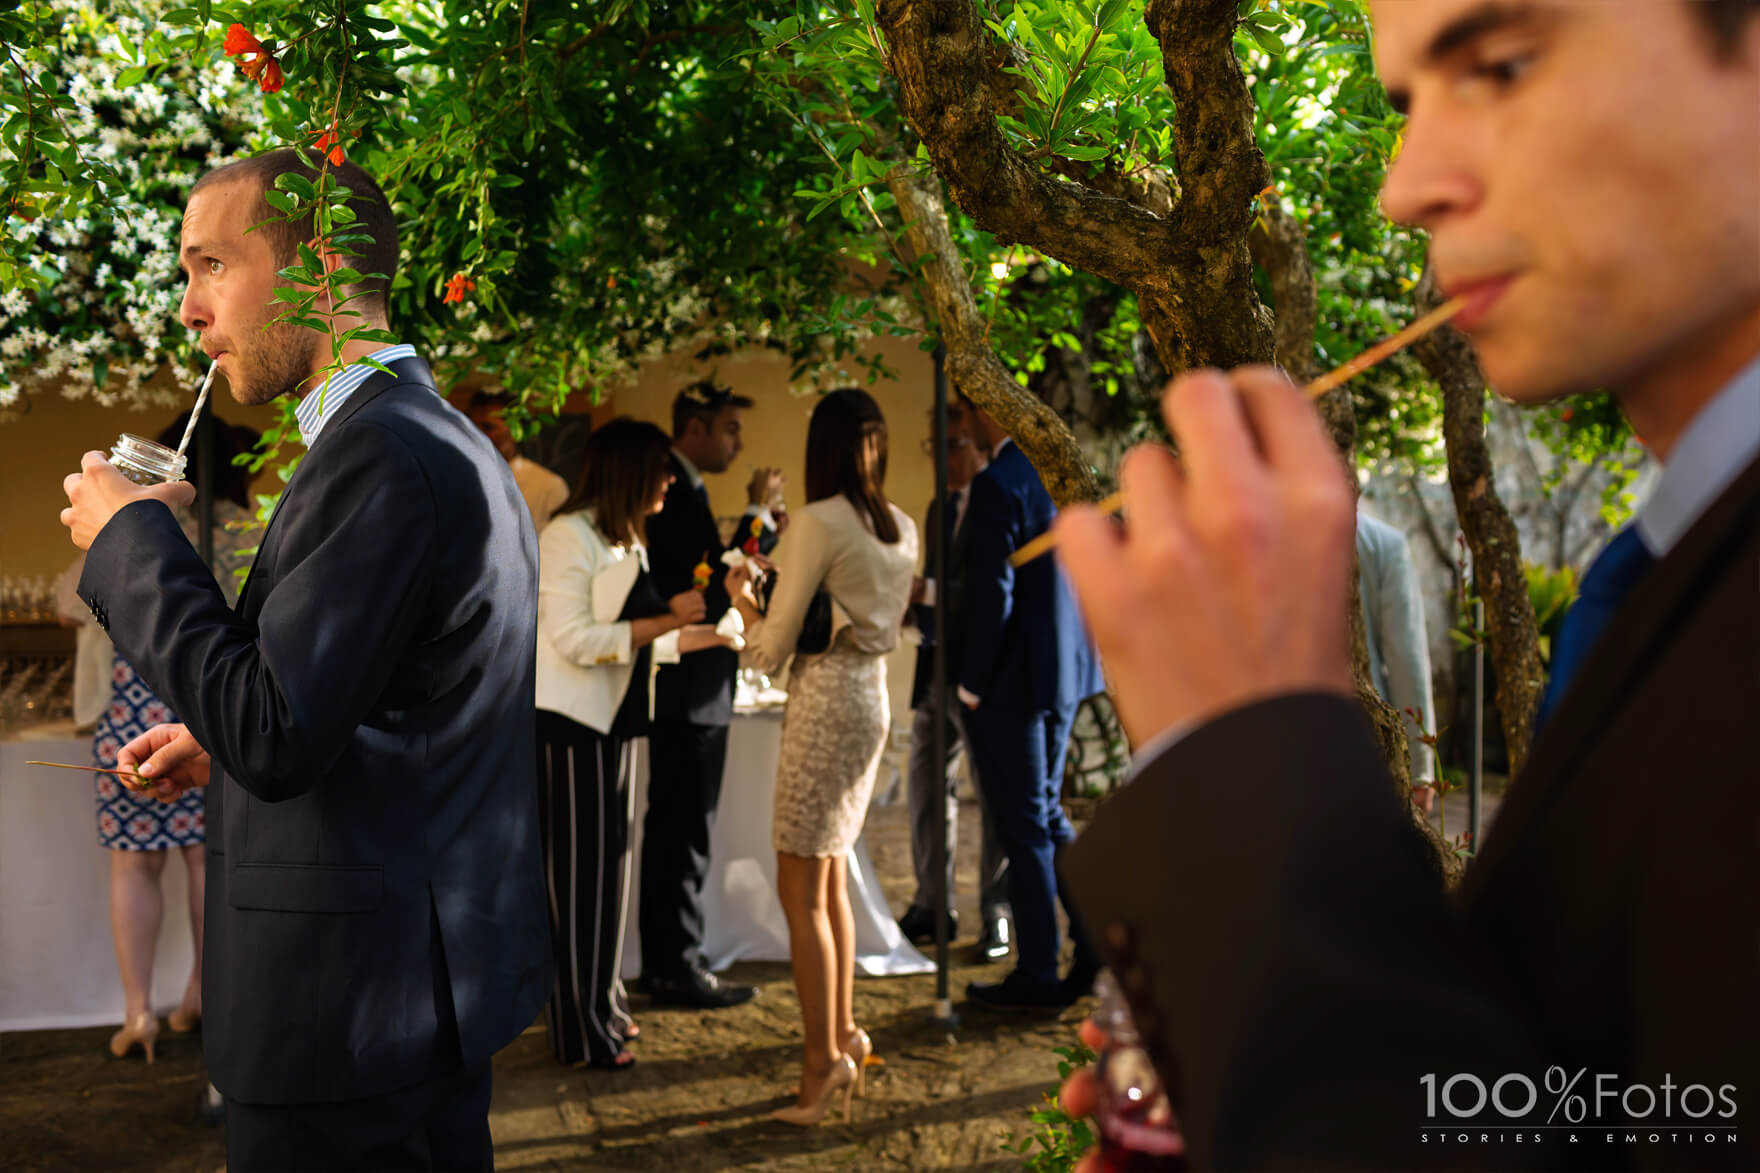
(1399, 647)
(1025, 666)
(363, 722)
(1589, 177)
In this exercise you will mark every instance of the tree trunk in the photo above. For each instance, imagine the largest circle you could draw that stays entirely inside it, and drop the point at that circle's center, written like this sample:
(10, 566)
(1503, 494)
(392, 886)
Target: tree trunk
(1491, 534)
(971, 364)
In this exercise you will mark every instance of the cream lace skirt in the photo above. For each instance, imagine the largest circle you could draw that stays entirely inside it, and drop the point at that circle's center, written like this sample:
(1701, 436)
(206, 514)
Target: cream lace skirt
(833, 732)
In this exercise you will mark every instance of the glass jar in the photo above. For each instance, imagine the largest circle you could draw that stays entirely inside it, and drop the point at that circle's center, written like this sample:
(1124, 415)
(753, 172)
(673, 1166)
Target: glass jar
(146, 463)
(1138, 1132)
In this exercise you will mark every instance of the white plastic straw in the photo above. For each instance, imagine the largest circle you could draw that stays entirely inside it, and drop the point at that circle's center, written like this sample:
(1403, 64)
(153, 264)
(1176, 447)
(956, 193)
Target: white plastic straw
(196, 412)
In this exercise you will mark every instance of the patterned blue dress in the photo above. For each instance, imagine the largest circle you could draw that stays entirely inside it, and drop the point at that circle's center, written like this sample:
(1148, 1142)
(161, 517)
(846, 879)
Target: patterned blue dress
(128, 821)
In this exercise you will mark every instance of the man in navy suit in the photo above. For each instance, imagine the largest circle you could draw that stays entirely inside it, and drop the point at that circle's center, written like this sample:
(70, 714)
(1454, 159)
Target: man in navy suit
(362, 721)
(1025, 666)
(693, 699)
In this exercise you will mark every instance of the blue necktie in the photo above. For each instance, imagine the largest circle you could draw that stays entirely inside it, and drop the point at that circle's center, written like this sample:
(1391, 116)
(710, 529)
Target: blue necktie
(1609, 580)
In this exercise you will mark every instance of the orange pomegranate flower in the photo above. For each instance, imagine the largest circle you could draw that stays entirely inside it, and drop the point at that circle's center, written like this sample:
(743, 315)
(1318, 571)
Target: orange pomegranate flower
(456, 288)
(329, 140)
(239, 40)
(262, 67)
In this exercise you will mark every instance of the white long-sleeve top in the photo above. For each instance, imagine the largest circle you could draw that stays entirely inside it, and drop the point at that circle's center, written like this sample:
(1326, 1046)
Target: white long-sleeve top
(585, 653)
(829, 544)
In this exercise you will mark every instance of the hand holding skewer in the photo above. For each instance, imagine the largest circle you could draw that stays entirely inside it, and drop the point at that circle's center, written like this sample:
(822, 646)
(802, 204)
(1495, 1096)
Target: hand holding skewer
(1386, 348)
(1229, 582)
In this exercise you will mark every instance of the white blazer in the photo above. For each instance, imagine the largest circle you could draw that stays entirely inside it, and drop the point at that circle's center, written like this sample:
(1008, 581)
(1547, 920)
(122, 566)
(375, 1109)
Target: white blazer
(584, 656)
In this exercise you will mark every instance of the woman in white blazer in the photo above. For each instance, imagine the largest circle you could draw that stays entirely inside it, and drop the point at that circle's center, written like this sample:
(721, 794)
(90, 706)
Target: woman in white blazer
(601, 628)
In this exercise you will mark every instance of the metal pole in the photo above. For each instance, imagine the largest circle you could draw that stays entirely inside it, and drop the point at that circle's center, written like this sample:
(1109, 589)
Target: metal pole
(944, 1015)
(1476, 784)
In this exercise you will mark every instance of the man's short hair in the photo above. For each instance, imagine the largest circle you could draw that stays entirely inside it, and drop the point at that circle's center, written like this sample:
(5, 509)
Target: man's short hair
(1725, 20)
(371, 209)
(702, 400)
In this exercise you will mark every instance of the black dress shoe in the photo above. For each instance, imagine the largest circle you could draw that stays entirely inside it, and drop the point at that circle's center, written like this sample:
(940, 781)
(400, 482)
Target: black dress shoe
(698, 989)
(918, 926)
(1013, 993)
(993, 941)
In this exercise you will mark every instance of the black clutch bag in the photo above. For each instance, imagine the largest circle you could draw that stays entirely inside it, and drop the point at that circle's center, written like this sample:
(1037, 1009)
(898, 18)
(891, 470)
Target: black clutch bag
(815, 634)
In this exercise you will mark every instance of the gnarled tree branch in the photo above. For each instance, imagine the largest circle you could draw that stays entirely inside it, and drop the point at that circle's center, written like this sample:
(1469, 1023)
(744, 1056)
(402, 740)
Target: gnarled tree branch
(971, 363)
(1491, 533)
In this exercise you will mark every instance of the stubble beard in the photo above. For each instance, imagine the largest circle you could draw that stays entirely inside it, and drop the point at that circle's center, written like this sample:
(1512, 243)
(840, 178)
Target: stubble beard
(279, 360)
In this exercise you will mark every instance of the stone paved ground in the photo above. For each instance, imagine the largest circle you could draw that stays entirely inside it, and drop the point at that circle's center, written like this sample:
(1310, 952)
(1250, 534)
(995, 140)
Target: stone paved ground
(699, 1098)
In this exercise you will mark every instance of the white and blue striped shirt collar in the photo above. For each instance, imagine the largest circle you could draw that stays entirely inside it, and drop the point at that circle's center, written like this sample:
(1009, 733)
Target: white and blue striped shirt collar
(321, 403)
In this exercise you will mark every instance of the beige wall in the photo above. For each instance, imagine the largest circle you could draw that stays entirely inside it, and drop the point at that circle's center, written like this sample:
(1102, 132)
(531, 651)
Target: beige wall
(775, 433)
(37, 451)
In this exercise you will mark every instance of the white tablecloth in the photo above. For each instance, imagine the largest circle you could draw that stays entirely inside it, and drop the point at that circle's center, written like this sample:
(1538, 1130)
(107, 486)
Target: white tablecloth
(743, 920)
(58, 967)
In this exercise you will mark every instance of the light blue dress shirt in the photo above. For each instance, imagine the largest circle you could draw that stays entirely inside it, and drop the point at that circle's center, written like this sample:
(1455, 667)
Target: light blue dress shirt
(321, 403)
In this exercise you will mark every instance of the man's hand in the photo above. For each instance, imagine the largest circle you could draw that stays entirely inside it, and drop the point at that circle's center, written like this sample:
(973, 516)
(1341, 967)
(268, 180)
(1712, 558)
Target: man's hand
(766, 487)
(1228, 582)
(168, 756)
(916, 589)
(687, 606)
(738, 582)
(97, 491)
(1080, 1094)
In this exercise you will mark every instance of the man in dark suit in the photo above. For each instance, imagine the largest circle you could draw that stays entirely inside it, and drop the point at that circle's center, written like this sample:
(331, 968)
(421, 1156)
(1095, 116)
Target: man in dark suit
(1025, 666)
(693, 699)
(363, 721)
(932, 782)
(1308, 991)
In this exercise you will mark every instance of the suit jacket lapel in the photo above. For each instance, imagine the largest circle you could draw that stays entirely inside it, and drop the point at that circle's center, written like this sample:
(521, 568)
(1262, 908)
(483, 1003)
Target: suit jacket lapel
(1608, 676)
(405, 370)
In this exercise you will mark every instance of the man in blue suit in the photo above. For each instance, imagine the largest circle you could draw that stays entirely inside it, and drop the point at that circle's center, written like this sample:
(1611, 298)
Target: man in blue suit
(362, 722)
(1025, 666)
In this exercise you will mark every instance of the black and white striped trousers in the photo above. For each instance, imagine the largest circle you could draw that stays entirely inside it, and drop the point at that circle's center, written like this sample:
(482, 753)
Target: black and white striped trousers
(586, 799)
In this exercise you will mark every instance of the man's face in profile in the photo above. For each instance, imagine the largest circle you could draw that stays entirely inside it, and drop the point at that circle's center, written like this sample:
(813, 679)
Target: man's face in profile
(723, 442)
(231, 280)
(1590, 177)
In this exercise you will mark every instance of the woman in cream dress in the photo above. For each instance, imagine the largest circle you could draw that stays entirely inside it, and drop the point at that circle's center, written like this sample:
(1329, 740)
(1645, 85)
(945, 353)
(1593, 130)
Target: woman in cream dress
(862, 550)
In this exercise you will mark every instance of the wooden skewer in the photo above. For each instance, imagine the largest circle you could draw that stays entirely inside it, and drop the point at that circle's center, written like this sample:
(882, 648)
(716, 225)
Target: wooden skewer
(127, 775)
(1387, 347)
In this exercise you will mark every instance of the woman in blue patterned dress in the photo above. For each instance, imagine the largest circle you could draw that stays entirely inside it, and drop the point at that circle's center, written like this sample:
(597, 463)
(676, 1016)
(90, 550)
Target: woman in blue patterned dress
(139, 830)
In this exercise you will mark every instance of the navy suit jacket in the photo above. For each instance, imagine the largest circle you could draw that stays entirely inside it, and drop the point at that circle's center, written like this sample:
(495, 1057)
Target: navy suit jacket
(373, 865)
(1025, 644)
(699, 688)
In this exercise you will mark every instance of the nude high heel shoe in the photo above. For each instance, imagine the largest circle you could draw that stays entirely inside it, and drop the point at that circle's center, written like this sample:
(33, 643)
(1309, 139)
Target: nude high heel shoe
(143, 1030)
(842, 1079)
(858, 1046)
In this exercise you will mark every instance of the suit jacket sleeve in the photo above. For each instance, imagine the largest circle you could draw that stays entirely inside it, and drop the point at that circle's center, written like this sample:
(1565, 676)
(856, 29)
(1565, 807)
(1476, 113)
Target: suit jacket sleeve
(277, 703)
(1287, 947)
(989, 583)
(804, 557)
